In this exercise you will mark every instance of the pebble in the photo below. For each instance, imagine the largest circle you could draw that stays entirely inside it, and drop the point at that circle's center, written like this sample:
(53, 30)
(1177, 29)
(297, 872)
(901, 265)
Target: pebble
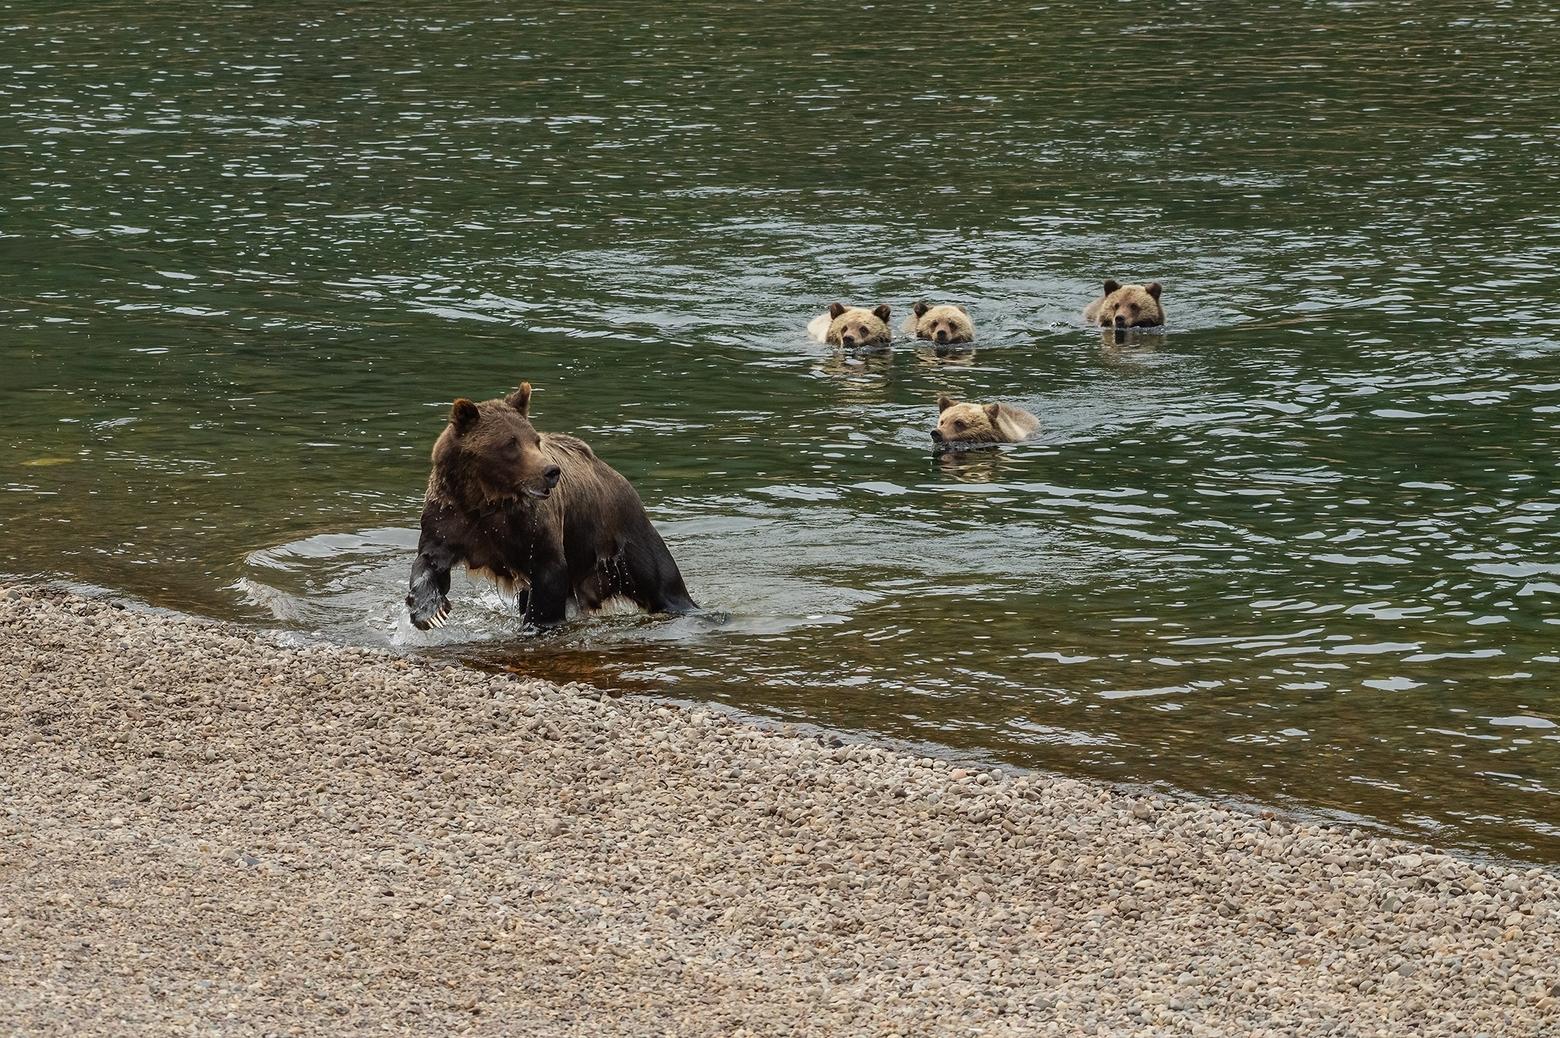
(190, 846)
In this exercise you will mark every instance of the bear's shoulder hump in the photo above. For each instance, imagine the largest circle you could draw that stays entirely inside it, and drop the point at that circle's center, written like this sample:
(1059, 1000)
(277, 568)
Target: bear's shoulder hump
(563, 443)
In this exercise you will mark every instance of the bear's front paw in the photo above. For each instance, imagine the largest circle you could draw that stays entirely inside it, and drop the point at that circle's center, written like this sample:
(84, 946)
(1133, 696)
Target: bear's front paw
(429, 608)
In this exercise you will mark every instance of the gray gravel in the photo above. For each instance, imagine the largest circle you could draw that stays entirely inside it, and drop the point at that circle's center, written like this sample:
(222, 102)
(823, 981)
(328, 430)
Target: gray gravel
(202, 832)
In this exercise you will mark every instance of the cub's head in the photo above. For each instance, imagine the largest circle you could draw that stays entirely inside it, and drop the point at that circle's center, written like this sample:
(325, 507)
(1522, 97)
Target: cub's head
(966, 423)
(1131, 306)
(491, 454)
(944, 325)
(853, 326)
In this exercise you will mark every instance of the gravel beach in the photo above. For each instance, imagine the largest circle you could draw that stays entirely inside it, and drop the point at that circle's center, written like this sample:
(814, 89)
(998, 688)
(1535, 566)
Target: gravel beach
(205, 832)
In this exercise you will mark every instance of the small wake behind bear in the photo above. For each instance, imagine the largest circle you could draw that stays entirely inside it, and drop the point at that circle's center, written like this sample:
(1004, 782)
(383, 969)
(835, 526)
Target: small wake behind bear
(852, 326)
(968, 424)
(540, 515)
(1127, 306)
(946, 325)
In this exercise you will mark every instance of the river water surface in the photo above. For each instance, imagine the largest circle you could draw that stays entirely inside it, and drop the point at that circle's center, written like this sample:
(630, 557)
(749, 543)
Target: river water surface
(1300, 549)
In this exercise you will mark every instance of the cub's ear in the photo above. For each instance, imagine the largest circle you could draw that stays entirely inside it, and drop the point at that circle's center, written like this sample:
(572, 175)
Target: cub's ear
(464, 415)
(881, 310)
(1111, 286)
(961, 310)
(835, 309)
(1154, 288)
(943, 403)
(921, 308)
(992, 410)
(520, 399)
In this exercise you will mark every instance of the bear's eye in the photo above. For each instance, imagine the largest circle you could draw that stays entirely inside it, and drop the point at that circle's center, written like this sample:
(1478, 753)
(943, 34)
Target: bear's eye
(959, 425)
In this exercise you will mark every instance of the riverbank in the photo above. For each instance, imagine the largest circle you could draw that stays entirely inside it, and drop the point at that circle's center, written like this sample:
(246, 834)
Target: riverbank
(203, 831)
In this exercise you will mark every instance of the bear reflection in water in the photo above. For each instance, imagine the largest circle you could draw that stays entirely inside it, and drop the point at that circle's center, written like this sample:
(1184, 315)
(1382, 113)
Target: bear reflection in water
(1146, 339)
(864, 377)
(941, 356)
(855, 365)
(973, 466)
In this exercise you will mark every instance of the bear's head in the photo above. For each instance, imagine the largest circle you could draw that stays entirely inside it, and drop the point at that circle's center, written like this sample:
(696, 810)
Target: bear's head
(944, 325)
(966, 423)
(854, 326)
(490, 454)
(1131, 306)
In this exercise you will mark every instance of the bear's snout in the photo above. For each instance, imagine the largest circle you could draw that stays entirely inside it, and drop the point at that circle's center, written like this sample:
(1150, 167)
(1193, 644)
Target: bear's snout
(552, 474)
(942, 335)
(937, 436)
(848, 340)
(1121, 322)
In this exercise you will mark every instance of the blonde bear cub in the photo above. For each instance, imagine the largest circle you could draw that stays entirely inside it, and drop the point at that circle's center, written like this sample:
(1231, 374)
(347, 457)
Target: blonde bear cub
(981, 423)
(945, 325)
(852, 326)
(1127, 306)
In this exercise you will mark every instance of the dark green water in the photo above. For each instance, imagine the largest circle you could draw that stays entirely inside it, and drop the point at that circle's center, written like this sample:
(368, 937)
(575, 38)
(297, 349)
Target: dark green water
(1300, 549)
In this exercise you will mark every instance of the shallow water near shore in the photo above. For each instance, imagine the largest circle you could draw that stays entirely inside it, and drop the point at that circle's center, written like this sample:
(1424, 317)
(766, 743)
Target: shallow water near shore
(1300, 548)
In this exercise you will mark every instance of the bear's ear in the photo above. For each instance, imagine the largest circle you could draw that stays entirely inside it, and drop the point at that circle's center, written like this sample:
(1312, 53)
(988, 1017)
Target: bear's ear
(961, 310)
(921, 308)
(992, 410)
(881, 310)
(835, 309)
(1154, 288)
(464, 415)
(520, 399)
(1111, 286)
(943, 403)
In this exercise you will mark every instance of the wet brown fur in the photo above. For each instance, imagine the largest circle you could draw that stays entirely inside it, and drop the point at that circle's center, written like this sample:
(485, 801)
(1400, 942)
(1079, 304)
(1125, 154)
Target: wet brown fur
(852, 326)
(1127, 306)
(945, 324)
(967, 423)
(539, 514)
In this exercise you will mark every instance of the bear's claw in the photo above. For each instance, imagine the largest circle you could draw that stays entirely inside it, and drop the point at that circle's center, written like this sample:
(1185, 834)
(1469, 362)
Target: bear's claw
(428, 614)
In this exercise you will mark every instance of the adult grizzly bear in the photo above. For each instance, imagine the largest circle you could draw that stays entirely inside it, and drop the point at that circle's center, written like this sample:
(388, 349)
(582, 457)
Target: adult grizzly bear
(1127, 306)
(539, 514)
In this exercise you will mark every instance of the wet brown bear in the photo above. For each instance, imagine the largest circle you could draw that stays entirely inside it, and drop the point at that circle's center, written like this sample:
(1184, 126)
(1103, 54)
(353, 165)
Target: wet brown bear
(852, 326)
(537, 513)
(1127, 306)
(944, 325)
(966, 423)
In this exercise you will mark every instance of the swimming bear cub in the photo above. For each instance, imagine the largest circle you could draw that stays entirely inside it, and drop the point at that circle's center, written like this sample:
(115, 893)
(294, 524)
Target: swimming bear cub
(852, 326)
(944, 325)
(539, 514)
(966, 423)
(1127, 306)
